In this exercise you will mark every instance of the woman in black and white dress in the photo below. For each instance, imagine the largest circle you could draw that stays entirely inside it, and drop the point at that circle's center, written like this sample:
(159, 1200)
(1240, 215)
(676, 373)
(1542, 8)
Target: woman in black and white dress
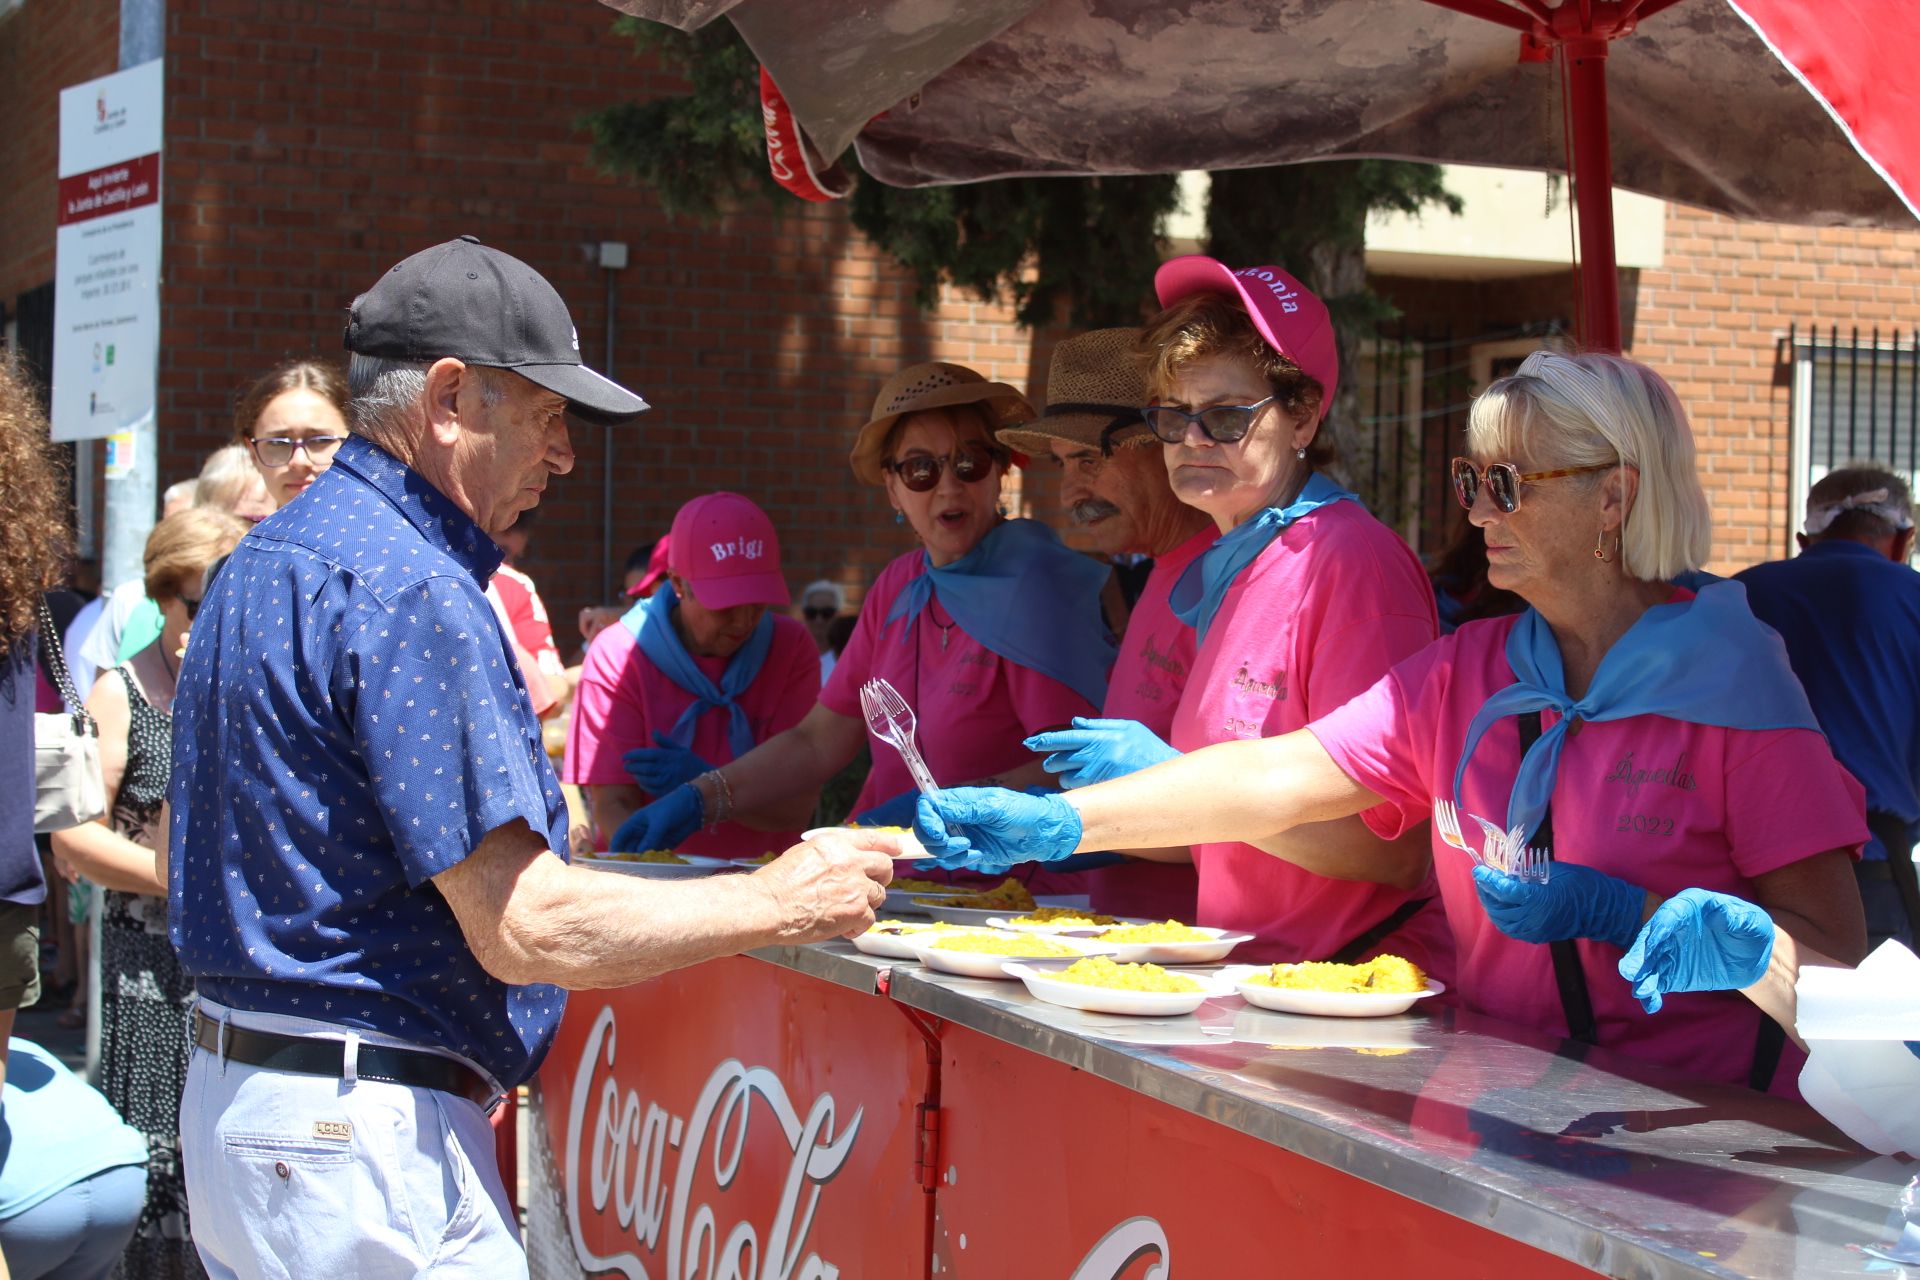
(143, 994)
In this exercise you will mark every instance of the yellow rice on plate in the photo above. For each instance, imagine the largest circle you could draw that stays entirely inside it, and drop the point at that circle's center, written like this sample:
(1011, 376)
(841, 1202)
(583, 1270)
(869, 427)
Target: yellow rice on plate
(995, 944)
(1104, 971)
(1169, 931)
(651, 855)
(1009, 894)
(1066, 917)
(1382, 974)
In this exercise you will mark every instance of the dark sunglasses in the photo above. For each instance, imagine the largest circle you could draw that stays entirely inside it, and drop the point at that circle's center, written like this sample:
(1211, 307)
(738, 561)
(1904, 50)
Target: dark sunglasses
(192, 606)
(1503, 481)
(972, 464)
(819, 614)
(1222, 424)
(277, 451)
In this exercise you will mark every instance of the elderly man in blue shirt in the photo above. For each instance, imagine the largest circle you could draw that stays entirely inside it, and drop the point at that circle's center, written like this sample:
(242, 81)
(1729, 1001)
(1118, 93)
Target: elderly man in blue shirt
(1848, 607)
(368, 843)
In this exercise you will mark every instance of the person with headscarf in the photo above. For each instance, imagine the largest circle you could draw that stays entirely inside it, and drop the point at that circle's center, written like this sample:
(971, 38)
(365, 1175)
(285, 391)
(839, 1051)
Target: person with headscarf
(991, 629)
(695, 675)
(1623, 740)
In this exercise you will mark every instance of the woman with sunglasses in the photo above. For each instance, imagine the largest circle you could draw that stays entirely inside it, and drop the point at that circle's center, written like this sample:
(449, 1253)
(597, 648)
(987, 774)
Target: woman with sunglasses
(290, 421)
(991, 629)
(143, 992)
(1644, 739)
(1302, 601)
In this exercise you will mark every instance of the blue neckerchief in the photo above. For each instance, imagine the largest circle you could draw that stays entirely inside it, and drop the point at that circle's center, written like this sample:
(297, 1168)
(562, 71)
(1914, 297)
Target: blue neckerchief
(1027, 596)
(1197, 594)
(1704, 661)
(651, 622)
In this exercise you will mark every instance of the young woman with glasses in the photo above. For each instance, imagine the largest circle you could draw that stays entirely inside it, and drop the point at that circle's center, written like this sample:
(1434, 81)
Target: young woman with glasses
(1623, 740)
(290, 421)
(991, 628)
(1303, 601)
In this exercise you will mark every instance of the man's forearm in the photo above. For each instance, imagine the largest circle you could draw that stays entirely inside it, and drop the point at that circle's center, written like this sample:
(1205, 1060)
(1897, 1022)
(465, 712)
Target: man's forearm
(581, 929)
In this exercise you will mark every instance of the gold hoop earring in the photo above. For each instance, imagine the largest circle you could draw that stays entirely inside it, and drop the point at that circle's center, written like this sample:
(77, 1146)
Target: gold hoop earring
(1600, 548)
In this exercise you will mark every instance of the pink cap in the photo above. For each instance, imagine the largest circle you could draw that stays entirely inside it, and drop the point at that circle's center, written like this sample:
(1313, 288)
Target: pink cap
(725, 548)
(656, 570)
(1288, 315)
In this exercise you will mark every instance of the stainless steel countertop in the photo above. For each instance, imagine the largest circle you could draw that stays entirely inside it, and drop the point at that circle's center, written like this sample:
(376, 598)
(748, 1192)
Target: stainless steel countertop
(1628, 1169)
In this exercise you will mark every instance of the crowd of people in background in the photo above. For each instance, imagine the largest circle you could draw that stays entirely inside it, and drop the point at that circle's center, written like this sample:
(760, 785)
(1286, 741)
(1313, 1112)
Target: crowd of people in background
(1250, 706)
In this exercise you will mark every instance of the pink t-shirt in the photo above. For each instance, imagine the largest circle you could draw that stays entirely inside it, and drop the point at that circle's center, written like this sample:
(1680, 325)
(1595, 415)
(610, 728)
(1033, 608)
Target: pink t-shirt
(972, 705)
(1658, 802)
(1327, 609)
(624, 698)
(1155, 656)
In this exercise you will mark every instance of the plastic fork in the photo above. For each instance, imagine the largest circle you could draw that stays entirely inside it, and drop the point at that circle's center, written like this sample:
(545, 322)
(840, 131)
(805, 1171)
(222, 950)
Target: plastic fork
(1531, 864)
(891, 720)
(1446, 820)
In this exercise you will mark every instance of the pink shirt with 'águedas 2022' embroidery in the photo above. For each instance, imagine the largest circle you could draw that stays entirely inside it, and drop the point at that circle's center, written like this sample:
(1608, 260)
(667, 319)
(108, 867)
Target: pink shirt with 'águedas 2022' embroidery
(973, 706)
(1657, 802)
(1156, 656)
(1324, 611)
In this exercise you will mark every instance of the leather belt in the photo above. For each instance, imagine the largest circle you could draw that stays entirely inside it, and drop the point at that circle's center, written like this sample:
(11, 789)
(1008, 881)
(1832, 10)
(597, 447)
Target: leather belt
(317, 1057)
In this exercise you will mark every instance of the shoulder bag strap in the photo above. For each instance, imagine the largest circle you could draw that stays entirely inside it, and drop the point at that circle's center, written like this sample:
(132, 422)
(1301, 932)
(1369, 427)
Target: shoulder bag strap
(1373, 937)
(56, 658)
(1575, 1000)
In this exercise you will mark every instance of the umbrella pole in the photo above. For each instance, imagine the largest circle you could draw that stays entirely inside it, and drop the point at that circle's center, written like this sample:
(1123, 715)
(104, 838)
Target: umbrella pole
(1591, 169)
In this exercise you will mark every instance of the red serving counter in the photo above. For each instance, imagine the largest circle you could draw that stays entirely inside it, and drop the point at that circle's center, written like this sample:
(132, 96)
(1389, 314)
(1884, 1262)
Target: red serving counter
(807, 1112)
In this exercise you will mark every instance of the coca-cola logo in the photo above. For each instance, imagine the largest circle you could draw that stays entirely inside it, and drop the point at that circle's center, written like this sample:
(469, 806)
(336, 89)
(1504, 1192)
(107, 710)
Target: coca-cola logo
(618, 1160)
(1126, 1244)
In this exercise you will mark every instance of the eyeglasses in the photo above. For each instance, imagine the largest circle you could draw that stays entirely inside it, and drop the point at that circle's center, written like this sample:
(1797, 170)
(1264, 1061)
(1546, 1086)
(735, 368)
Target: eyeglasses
(819, 614)
(1222, 424)
(972, 464)
(277, 451)
(1503, 481)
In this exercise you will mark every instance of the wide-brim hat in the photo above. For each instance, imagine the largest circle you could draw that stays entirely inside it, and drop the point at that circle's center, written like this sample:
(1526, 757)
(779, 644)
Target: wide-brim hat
(1096, 389)
(934, 385)
(1286, 313)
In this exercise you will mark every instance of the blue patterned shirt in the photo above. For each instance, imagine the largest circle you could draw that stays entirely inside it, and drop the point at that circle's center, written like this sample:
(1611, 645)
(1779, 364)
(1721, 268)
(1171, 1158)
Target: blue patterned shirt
(350, 723)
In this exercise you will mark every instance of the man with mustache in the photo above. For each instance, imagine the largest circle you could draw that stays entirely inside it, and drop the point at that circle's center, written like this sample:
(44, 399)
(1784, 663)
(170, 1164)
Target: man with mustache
(1115, 487)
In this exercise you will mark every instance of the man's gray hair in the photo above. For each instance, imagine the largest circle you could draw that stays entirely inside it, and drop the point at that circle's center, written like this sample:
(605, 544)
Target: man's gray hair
(385, 391)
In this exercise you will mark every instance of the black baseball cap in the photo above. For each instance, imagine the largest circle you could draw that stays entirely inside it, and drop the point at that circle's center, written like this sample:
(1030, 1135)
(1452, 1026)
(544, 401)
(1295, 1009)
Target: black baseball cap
(467, 301)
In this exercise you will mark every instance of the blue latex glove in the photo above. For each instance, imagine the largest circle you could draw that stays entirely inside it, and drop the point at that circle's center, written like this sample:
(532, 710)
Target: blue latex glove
(1099, 750)
(660, 825)
(990, 829)
(659, 769)
(897, 812)
(1577, 902)
(1698, 940)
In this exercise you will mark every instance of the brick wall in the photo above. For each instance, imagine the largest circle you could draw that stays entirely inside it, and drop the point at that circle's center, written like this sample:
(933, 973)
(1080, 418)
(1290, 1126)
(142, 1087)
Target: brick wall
(45, 45)
(309, 147)
(1712, 318)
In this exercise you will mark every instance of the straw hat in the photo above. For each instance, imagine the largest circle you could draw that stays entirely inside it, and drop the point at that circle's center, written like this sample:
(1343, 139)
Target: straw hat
(929, 386)
(1093, 382)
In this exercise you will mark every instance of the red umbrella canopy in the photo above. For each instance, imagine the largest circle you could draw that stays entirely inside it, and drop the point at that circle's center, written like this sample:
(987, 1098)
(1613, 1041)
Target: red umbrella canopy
(1761, 109)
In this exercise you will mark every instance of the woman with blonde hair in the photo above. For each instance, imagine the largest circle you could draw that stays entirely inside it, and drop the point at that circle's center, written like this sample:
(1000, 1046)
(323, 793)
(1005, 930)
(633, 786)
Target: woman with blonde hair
(1621, 741)
(144, 996)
